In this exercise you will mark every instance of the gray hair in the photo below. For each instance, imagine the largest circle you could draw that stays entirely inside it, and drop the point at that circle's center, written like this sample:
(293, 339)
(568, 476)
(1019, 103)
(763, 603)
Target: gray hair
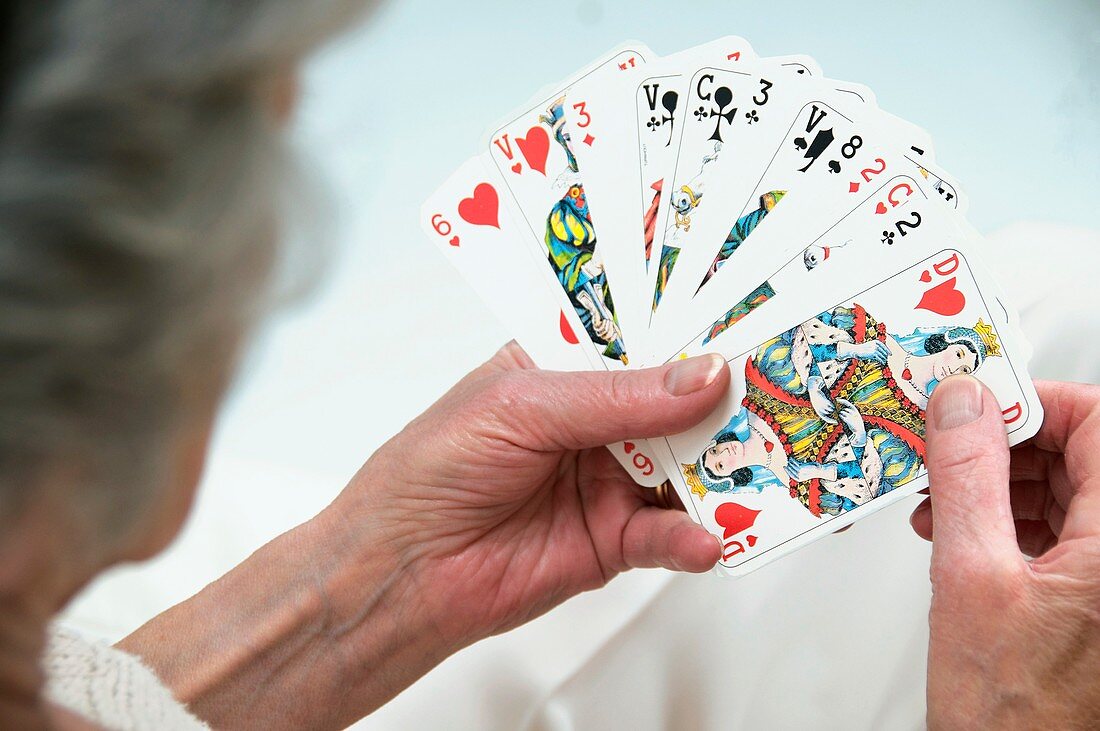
(139, 169)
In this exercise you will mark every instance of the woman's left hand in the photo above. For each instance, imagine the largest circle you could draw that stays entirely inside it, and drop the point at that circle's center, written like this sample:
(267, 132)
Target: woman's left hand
(495, 505)
(503, 502)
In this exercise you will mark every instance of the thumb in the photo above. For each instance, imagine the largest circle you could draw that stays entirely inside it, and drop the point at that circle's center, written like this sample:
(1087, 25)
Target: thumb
(968, 472)
(557, 410)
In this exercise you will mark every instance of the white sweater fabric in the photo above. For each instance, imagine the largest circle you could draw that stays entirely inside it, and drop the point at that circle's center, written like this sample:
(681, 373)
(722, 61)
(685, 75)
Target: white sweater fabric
(109, 687)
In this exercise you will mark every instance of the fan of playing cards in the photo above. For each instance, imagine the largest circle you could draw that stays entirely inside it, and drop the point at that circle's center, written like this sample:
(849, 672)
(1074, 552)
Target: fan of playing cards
(649, 209)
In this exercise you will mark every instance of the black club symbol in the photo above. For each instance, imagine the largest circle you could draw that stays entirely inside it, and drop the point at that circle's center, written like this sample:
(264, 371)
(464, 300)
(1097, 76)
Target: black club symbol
(700, 113)
(653, 123)
(752, 116)
(888, 238)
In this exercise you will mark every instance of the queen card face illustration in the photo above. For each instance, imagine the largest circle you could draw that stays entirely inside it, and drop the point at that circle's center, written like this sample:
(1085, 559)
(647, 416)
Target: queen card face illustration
(826, 419)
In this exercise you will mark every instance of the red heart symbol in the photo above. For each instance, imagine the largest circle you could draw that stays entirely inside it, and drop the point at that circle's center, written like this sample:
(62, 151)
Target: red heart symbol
(880, 208)
(943, 299)
(517, 167)
(567, 331)
(535, 147)
(454, 241)
(482, 208)
(734, 518)
(925, 276)
(751, 540)
(629, 447)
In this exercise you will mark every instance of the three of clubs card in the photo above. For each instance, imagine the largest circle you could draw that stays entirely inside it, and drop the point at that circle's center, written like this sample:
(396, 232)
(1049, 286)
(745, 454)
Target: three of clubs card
(648, 209)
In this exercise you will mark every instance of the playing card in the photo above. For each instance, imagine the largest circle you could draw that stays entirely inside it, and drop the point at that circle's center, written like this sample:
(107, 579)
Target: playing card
(659, 133)
(824, 422)
(614, 167)
(533, 155)
(468, 224)
(722, 106)
(466, 221)
(806, 248)
(824, 124)
(831, 268)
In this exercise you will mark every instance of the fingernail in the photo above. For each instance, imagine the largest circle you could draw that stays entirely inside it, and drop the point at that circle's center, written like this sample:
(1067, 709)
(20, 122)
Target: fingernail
(693, 374)
(958, 401)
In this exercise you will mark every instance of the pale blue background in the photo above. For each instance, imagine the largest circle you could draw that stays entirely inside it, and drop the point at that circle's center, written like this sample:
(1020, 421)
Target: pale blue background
(1009, 91)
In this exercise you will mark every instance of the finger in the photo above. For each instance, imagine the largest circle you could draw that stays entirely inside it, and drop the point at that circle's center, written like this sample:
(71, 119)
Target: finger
(921, 519)
(1031, 500)
(546, 410)
(1066, 407)
(1071, 426)
(967, 460)
(1034, 537)
(669, 539)
(1029, 506)
(1031, 463)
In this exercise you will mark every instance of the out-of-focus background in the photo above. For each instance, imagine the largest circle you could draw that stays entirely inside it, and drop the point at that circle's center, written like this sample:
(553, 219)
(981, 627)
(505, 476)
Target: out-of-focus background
(1011, 95)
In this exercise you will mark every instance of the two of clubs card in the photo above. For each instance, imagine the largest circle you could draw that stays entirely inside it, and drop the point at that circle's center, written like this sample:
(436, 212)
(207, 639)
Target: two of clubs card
(650, 208)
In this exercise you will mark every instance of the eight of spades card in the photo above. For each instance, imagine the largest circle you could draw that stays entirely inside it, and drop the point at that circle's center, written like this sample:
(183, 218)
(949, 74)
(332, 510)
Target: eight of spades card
(479, 237)
(825, 424)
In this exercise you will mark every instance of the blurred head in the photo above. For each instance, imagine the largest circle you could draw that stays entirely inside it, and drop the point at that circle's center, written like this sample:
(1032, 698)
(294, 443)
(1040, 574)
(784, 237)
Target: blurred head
(140, 170)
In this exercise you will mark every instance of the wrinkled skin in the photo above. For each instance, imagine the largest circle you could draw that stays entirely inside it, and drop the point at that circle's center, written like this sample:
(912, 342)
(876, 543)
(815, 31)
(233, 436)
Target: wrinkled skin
(1014, 643)
(516, 507)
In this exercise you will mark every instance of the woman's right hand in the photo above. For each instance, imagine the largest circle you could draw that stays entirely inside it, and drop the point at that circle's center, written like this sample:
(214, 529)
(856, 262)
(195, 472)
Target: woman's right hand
(1014, 643)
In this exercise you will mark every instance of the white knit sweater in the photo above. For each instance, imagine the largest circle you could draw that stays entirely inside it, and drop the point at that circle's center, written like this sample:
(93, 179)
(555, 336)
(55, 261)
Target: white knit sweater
(109, 687)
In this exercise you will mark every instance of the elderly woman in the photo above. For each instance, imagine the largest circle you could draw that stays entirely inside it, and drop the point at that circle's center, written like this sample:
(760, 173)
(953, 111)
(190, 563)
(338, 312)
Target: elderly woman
(140, 167)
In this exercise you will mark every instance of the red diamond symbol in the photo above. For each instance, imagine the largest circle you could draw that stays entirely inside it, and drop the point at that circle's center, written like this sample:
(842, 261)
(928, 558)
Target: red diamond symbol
(589, 139)
(853, 187)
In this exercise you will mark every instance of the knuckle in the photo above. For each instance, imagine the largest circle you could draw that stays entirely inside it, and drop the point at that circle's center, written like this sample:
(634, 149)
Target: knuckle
(966, 457)
(506, 389)
(1000, 590)
(500, 395)
(621, 387)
